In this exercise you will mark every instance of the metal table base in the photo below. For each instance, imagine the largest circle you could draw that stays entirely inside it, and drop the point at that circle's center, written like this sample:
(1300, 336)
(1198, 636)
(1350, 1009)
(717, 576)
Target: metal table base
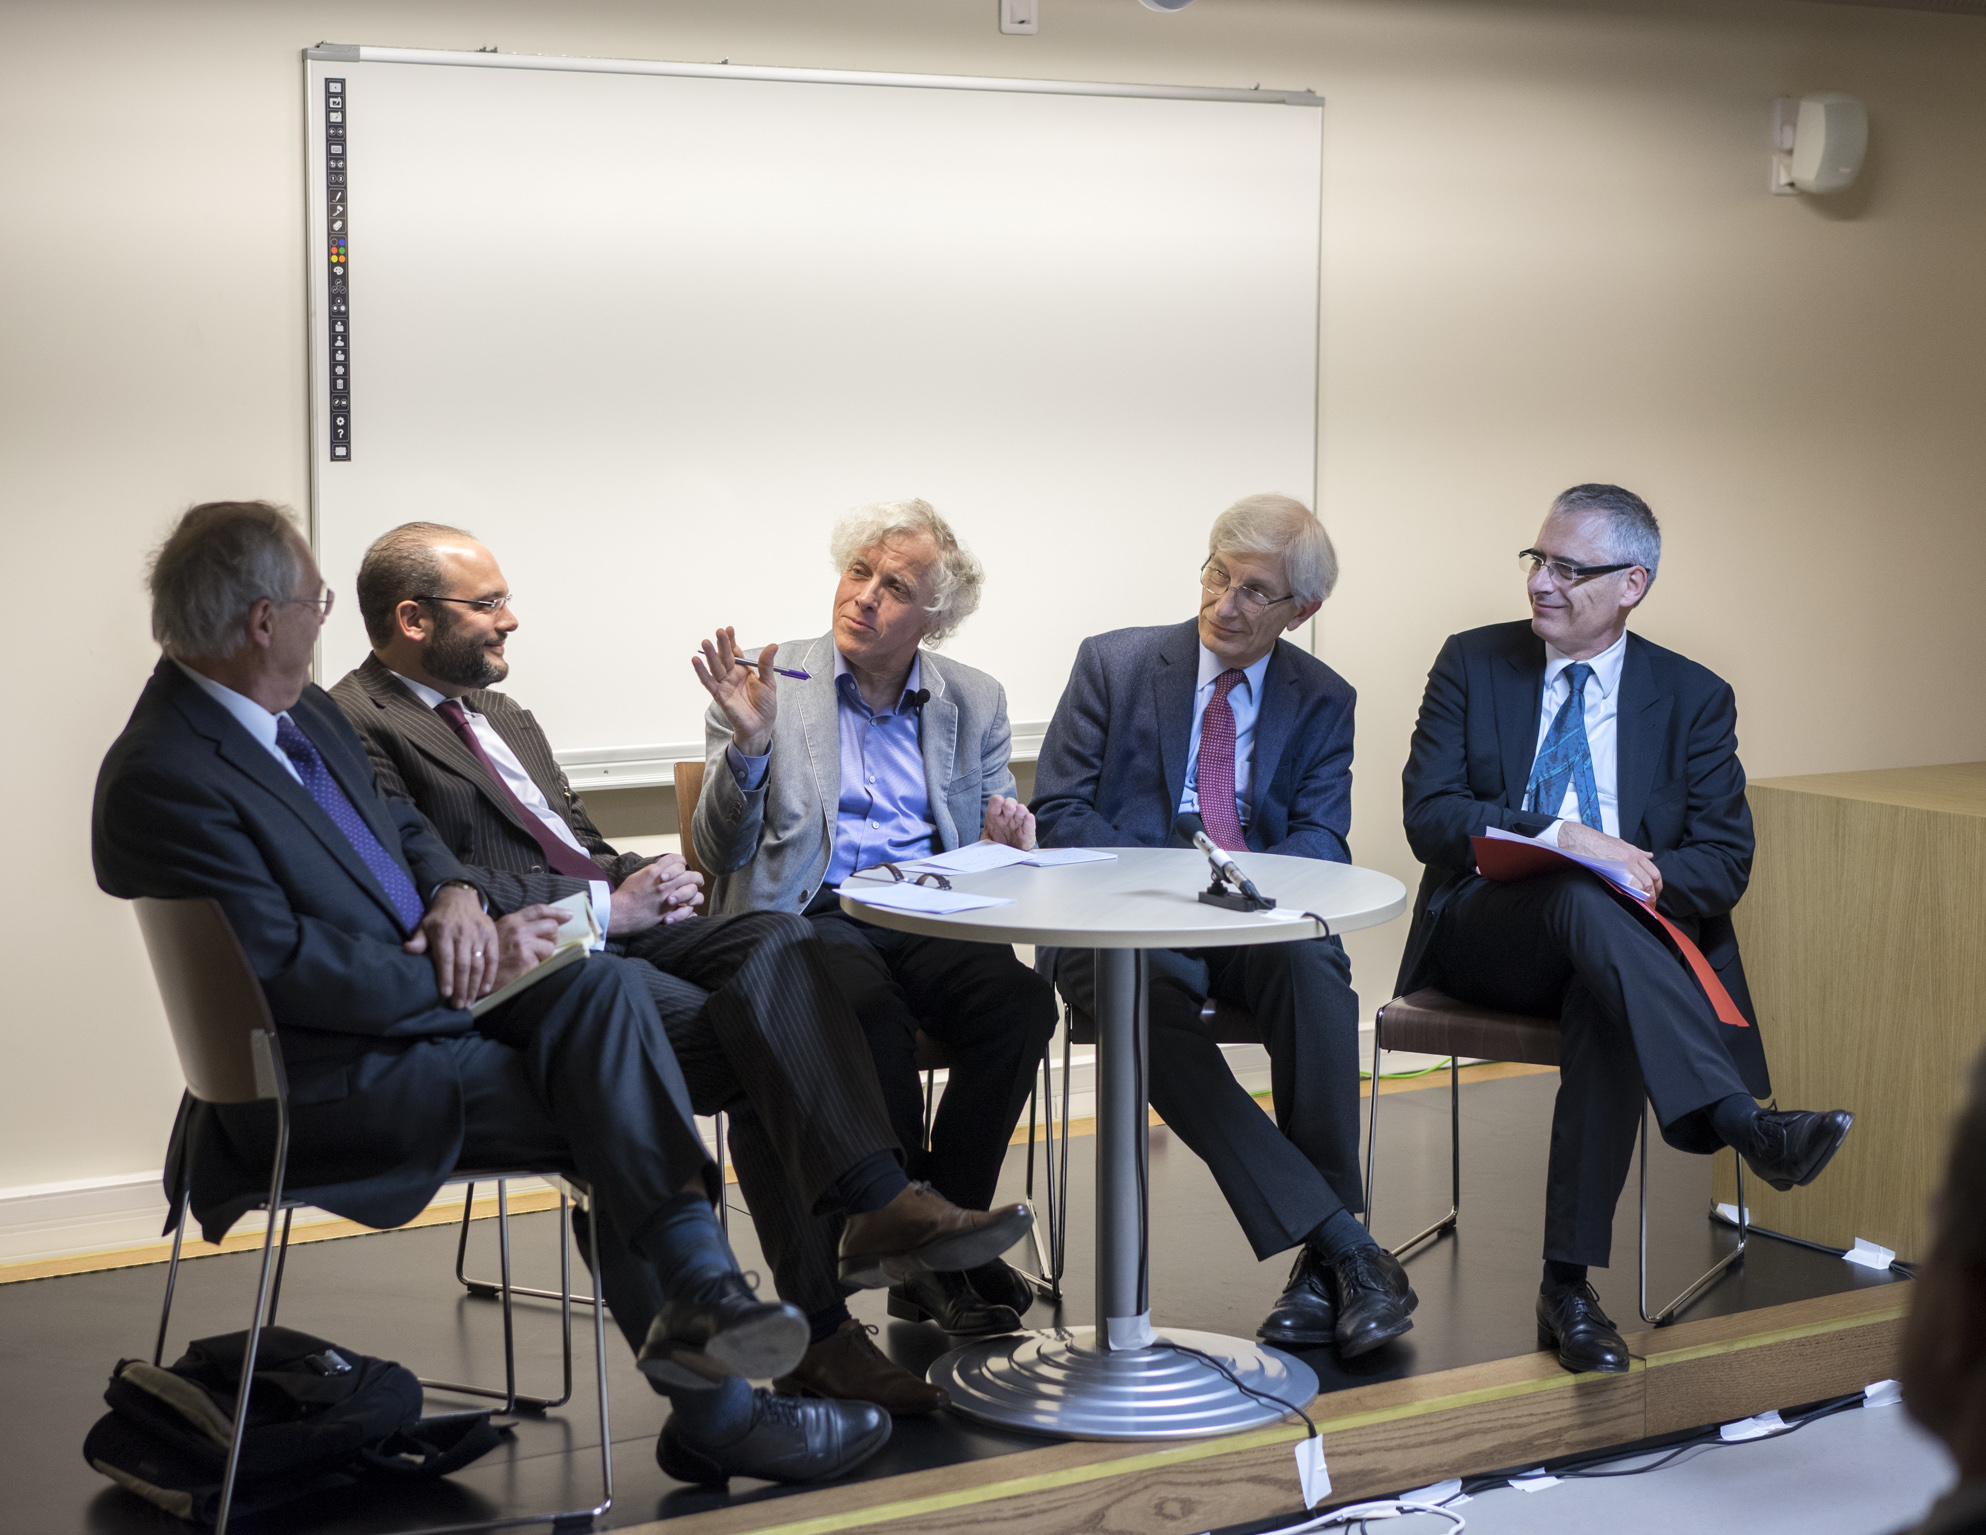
(1060, 1382)
(1109, 1381)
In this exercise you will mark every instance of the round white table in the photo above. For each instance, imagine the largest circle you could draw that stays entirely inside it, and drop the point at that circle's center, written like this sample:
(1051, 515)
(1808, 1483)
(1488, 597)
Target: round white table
(1118, 1380)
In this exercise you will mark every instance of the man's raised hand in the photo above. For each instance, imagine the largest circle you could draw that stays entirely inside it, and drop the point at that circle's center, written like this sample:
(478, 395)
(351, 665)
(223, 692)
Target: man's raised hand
(1009, 821)
(747, 694)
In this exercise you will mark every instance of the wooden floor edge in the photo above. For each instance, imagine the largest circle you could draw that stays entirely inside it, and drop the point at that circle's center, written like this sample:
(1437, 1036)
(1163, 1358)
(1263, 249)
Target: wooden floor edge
(918, 1497)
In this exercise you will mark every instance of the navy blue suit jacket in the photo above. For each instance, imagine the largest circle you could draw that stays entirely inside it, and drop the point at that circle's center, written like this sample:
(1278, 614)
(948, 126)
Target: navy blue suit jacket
(1681, 790)
(189, 804)
(1114, 763)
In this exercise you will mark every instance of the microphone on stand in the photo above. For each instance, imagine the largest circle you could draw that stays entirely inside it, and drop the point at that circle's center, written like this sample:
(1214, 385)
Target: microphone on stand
(1192, 829)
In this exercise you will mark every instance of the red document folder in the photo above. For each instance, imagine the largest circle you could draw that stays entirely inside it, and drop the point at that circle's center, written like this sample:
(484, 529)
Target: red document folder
(1509, 858)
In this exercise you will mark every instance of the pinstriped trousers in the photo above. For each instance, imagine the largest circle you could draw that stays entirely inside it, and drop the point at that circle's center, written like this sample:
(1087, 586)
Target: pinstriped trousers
(762, 1032)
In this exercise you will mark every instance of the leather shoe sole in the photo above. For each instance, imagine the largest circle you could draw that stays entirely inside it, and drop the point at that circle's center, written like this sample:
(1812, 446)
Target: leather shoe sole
(769, 1342)
(966, 1248)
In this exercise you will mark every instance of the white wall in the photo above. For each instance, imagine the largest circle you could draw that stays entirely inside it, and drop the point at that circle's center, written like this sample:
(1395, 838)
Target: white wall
(1549, 257)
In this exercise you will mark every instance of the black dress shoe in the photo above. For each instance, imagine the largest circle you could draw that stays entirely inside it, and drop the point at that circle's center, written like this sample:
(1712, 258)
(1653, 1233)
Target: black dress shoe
(1001, 1284)
(1571, 1322)
(790, 1440)
(1374, 1300)
(946, 1298)
(1788, 1148)
(1307, 1315)
(720, 1329)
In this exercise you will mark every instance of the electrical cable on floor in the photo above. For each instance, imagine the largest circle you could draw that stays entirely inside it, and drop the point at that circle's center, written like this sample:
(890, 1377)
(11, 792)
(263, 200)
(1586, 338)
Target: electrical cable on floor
(1752, 1228)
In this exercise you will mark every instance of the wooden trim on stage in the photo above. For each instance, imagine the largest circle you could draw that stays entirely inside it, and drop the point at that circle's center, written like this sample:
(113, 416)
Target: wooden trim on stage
(1377, 1439)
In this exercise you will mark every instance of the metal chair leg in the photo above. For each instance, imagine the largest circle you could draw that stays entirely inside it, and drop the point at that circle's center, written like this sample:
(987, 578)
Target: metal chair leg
(1710, 1276)
(723, 1196)
(282, 1258)
(506, 1291)
(172, 1274)
(1047, 1278)
(1448, 1221)
(280, 1162)
(489, 1289)
(930, 1104)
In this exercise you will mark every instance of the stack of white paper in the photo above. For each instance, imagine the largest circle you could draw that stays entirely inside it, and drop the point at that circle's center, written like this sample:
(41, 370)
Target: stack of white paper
(909, 897)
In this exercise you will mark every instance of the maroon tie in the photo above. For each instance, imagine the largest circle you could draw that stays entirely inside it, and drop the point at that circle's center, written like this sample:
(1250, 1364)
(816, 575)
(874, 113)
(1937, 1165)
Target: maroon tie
(1216, 771)
(559, 857)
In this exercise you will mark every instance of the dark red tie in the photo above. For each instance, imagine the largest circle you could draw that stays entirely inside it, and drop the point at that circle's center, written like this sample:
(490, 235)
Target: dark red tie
(1216, 771)
(559, 857)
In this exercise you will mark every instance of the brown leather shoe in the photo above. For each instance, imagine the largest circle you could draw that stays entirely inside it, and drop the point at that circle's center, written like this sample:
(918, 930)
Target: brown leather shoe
(847, 1367)
(921, 1230)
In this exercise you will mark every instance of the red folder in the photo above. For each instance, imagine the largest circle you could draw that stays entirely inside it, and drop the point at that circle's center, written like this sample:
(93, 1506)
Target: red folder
(1499, 859)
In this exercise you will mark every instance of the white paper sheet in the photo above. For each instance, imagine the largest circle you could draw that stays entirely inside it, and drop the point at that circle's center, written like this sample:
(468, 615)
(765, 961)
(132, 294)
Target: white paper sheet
(973, 858)
(908, 897)
(1612, 872)
(1056, 857)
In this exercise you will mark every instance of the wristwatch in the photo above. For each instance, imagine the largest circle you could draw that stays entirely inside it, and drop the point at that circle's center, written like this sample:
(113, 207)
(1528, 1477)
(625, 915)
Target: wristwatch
(476, 891)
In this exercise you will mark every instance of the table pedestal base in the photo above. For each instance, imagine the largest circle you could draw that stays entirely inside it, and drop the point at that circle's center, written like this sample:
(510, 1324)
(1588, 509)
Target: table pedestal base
(1058, 1381)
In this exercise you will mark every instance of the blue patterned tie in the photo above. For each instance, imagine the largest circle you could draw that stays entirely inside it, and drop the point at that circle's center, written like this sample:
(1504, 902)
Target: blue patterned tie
(1566, 756)
(323, 788)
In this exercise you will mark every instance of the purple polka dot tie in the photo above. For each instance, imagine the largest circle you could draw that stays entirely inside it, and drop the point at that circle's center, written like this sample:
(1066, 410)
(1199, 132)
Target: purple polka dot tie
(323, 788)
(1215, 775)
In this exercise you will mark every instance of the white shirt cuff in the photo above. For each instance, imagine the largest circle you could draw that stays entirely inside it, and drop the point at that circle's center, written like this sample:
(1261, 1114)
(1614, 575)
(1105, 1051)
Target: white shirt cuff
(1549, 836)
(603, 908)
(749, 771)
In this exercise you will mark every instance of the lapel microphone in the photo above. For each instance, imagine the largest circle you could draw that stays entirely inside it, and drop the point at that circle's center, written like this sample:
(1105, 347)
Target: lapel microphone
(918, 699)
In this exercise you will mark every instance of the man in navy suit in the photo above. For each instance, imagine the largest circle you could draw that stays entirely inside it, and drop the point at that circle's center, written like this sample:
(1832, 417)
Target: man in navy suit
(1642, 770)
(1222, 718)
(237, 779)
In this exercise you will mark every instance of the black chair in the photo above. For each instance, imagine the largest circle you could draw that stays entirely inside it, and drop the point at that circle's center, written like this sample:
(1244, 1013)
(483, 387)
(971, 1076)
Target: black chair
(1430, 1022)
(229, 1054)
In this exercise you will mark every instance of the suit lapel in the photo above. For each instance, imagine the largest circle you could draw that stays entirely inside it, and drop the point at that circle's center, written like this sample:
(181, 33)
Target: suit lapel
(431, 737)
(1519, 680)
(938, 738)
(820, 726)
(1174, 681)
(1275, 718)
(241, 751)
(529, 745)
(1641, 717)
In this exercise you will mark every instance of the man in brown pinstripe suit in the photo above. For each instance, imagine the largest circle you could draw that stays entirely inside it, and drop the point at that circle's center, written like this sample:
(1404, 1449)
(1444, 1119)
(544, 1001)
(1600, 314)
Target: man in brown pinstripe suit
(758, 1027)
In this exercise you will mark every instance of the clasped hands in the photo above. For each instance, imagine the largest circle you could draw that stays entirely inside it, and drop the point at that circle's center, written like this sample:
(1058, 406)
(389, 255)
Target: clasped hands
(1575, 837)
(473, 956)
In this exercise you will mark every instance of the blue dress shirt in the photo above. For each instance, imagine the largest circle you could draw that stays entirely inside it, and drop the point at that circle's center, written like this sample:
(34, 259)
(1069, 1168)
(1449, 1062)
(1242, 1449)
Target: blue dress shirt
(1245, 700)
(884, 813)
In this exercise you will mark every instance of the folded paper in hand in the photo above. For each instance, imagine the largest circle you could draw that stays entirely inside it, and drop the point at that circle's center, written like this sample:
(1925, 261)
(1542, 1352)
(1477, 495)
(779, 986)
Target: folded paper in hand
(577, 934)
(1613, 872)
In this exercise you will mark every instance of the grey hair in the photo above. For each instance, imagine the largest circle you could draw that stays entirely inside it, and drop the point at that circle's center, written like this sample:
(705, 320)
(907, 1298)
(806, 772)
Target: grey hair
(219, 560)
(959, 576)
(1273, 524)
(1632, 536)
(1961, 1200)
(399, 564)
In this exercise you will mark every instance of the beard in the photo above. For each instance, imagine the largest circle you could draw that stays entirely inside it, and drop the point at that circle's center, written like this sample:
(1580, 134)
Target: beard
(460, 658)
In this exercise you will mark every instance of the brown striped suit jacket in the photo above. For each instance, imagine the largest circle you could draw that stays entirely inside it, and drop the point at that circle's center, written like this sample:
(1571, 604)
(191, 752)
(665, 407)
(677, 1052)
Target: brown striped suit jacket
(418, 759)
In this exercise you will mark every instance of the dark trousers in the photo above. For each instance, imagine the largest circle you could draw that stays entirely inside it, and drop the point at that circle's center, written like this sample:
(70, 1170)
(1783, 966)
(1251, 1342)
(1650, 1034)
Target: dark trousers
(1282, 1177)
(1633, 1022)
(574, 1075)
(763, 1032)
(992, 1015)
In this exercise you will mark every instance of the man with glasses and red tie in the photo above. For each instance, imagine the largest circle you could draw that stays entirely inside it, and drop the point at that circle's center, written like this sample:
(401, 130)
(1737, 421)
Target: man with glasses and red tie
(1222, 718)
(1571, 730)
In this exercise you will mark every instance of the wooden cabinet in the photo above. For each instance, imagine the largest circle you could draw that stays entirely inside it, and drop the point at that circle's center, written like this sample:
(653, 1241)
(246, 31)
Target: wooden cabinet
(1864, 939)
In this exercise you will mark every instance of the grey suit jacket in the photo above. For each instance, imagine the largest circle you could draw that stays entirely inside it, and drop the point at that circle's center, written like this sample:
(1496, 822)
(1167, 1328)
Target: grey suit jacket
(768, 849)
(417, 759)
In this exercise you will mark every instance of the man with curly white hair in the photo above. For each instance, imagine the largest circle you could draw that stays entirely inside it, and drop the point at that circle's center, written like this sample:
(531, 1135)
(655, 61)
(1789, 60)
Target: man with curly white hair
(874, 749)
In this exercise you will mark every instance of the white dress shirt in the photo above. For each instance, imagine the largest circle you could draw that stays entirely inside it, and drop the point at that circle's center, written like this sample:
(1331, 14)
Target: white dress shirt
(250, 715)
(1603, 696)
(1244, 700)
(524, 787)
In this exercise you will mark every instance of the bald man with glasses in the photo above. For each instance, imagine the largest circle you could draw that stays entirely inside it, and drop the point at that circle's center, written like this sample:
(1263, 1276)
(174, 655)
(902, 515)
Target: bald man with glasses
(1572, 730)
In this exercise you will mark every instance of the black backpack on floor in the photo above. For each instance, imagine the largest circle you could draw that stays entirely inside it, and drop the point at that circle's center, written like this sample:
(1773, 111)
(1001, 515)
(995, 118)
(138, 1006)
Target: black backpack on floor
(320, 1416)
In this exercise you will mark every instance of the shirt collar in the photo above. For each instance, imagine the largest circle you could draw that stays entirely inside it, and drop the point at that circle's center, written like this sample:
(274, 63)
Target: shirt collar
(846, 686)
(1211, 667)
(423, 692)
(1606, 665)
(251, 716)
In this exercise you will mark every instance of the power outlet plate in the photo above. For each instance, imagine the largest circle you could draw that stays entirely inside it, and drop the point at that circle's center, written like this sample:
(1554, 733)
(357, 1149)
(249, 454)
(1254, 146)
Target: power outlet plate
(1785, 123)
(1020, 17)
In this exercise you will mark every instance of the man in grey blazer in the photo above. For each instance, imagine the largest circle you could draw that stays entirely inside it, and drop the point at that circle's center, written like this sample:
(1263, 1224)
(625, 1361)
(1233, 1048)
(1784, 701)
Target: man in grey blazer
(875, 749)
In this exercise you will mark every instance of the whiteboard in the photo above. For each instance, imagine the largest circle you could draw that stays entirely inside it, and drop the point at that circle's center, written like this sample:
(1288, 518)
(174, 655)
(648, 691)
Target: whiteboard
(648, 329)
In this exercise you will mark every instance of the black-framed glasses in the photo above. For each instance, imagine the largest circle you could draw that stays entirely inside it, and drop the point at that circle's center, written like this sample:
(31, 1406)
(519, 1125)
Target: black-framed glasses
(930, 878)
(480, 604)
(1563, 571)
(322, 602)
(1217, 581)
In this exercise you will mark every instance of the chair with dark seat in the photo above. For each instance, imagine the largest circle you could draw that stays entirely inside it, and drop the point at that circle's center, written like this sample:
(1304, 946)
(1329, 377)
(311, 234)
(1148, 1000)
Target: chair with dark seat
(229, 1053)
(1430, 1022)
